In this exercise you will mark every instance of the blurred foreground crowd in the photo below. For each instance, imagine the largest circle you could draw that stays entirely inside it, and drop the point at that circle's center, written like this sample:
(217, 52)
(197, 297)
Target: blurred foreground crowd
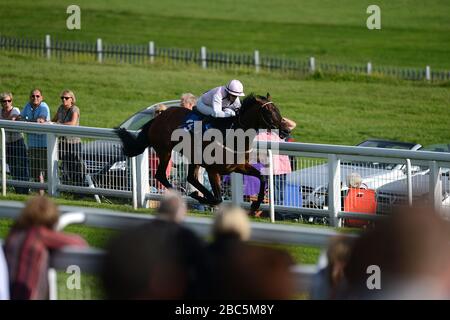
(406, 256)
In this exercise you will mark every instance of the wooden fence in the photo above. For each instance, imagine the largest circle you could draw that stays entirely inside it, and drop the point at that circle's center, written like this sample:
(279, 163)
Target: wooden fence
(147, 53)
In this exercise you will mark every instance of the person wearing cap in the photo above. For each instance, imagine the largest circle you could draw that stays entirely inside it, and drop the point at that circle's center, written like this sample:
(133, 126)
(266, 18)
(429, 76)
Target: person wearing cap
(221, 102)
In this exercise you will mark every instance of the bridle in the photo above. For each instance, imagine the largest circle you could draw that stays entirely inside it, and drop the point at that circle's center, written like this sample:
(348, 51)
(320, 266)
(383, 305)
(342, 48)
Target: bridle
(262, 116)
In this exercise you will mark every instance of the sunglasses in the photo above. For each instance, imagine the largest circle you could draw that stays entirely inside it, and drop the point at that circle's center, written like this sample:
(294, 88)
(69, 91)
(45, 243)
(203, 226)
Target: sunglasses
(6, 100)
(35, 96)
(65, 98)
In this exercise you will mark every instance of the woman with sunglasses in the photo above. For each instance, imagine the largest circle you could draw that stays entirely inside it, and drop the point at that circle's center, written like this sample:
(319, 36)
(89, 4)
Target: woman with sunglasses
(69, 147)
(16, 152)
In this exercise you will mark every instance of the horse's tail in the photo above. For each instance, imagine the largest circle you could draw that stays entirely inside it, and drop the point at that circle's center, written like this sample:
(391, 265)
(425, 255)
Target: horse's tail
(131, 145)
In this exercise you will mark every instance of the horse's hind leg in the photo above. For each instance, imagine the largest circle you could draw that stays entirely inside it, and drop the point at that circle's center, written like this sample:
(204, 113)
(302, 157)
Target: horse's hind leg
(162, 167)
(192, 179)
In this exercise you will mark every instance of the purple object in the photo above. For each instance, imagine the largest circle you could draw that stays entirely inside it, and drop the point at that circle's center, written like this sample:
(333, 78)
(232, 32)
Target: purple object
(251, 184)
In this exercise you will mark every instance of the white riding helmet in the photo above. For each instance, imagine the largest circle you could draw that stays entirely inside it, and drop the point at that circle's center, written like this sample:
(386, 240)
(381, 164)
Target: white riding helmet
(235, 88)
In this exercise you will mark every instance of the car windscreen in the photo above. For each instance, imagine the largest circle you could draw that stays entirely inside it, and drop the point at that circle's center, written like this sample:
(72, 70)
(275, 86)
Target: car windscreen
(438, 148)
(137, 121)
(380, 144)
(387, 144)
(374, 165)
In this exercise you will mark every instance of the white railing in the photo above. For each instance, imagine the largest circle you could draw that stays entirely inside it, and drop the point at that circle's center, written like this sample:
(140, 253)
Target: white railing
(329, 168)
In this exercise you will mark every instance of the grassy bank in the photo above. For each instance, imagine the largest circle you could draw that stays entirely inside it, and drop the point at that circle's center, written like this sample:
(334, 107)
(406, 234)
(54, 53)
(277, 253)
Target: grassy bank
(413, 33)
(328, 109)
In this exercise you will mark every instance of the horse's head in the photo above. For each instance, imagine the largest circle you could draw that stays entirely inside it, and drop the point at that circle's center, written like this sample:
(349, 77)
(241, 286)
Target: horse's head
(259, 112)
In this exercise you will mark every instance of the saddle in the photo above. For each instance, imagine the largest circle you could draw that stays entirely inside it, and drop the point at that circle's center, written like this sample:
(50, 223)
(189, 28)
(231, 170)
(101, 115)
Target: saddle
(208, 122)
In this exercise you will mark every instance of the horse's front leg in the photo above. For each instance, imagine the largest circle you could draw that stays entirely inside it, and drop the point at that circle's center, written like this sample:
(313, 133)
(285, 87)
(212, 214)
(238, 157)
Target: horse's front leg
(214, 180)
(249, 170)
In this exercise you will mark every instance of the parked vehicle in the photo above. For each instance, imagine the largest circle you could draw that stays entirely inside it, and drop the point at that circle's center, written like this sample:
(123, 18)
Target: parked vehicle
(396, 193)
(104, 161)
(312, 182)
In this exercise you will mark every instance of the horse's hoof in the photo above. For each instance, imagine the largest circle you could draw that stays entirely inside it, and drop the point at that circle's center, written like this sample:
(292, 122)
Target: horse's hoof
(255, 206)
(194, 194)
(256, 213)
(197, 197)
(216, 202)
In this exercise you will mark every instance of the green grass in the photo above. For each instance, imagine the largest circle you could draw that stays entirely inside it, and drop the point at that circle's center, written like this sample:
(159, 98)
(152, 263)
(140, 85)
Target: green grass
(414, 33)
(339, 109)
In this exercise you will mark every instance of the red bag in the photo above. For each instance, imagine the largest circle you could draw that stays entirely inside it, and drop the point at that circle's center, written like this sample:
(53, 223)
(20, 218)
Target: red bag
(360, 200)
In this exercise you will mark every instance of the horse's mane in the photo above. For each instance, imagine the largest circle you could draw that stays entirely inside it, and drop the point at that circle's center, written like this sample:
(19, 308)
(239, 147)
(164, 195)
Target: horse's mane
(250, 100)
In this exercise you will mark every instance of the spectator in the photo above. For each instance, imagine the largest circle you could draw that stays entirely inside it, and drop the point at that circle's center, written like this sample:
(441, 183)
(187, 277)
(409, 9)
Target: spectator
(250, 272)
(231, 227)
(172, 207)
(241, 270)
(37, 111)
(4, 278)
(281, 167)
(404, 257)
(188, 101)
(27, 248)
(231, 223)
(158, 260)
(16, 151)
(69, 147)
(291, 125)
(159, 109)
(330, 280)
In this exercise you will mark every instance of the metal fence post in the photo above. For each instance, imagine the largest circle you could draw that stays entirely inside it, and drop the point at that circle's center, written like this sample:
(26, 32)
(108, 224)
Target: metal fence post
(52, 164)
(271, 187)
(99, 50)
(203, 57)
(237, 194)
(428, 73)
(134, 183)
(369, 68)
(52, 284)
(3, 162)
(409, 181)
(142, 173)
(312, 64)
(435, 185)
(47, 46)
(257, 62)
(334, 189)
(151, 51)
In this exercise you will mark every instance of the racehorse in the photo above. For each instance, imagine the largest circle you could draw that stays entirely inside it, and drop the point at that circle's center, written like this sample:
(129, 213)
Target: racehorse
(256, 112)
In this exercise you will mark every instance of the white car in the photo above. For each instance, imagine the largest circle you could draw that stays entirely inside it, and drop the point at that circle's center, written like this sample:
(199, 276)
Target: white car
(311, 184)
(395, 193)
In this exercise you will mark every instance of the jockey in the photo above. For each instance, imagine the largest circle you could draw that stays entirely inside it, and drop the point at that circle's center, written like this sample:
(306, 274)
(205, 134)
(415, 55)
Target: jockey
(221, 102)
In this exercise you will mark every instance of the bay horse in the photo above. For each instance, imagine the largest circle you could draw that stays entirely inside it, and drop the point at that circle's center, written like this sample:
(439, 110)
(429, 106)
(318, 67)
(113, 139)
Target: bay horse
(256, 112)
